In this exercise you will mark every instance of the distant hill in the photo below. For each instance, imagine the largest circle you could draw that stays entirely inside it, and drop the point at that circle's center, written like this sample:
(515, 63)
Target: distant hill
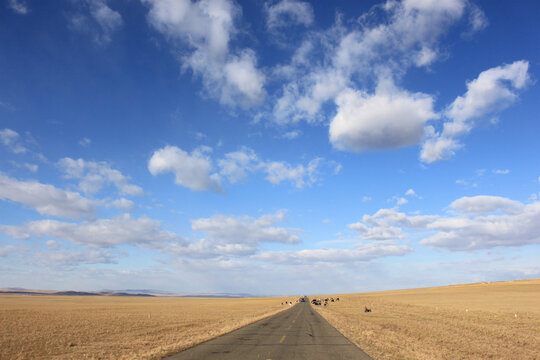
(20, 291)
(127, 292)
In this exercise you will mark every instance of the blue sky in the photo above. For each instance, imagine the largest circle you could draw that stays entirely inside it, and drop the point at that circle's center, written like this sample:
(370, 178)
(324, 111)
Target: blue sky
(268, 147)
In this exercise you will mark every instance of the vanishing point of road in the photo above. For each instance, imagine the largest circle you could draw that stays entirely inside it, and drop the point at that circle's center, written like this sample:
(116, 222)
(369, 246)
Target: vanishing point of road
(297, 333)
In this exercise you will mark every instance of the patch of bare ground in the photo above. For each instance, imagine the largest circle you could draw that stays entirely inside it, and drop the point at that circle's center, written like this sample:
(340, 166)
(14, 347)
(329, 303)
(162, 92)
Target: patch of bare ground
(475, 321)
(91, 327)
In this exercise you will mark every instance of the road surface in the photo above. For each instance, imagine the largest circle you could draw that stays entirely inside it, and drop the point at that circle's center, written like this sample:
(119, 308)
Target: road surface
(297, 333)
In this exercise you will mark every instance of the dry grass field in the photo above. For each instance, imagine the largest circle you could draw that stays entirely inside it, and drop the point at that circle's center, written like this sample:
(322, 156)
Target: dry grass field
(475, 321)
(104, 327)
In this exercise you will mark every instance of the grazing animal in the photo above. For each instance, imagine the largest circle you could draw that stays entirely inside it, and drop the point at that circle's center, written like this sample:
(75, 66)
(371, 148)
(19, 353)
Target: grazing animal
(337, 299)
(366, 309)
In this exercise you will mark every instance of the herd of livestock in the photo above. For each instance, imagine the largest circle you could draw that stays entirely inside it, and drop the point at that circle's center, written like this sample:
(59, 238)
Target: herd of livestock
(314, 301)
(319, 302)
(323, 301)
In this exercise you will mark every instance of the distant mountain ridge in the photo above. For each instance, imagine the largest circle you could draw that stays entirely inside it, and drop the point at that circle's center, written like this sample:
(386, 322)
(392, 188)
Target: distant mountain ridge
(126, 292)
(21, 291)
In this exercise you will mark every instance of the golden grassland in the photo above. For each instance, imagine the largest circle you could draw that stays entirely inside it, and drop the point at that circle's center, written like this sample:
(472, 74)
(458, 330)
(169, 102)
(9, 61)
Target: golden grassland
(474, 321)
(105, 327)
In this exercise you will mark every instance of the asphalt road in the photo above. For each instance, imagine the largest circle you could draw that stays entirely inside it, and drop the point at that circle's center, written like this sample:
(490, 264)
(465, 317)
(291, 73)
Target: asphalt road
(297, 333)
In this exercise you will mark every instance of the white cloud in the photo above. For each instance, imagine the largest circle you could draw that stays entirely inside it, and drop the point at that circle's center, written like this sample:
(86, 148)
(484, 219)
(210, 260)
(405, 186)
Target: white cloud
(477, 19)
(300, 175)
(24, 165)
(377, 232)
(425, 57)
(484, 204)
(501, 171)
(401, 201)
(438, 148)
(94, 176)
(31, 167)
(243, 80)
(46, 199)
(288, 12)
(85, 142)
(105, 233)
(8, 249)
(520, 227)
(96, 19)
(10, 139)
(389, 217)
(123, 204)
(207, 27)
(411, 193)
(388, 40)
(228, 236)
(19, 6)
(493, 90)
(69, 259)
(362, 253)
(238, 230)
(193, 171)
(479, 222)
(108, 19)
(292, 134)
(235, 165)
(389, 119)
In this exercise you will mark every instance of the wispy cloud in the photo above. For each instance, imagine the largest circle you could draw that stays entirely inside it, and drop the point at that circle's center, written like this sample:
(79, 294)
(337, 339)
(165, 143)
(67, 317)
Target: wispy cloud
(18, 6)
(493, 90)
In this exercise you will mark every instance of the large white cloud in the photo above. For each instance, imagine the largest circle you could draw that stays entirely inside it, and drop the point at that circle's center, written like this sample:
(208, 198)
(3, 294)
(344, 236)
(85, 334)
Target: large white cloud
(45, 198)
(487, 231)
(364, 252)
(390, 39)
(104, 233)
(94, 176)
(484, 204)
(478, 222)
(493, 90)
(193, 171)
(207, 27)
(196, 170)
(233, 230)
(389, 119)
(228, 237)
(65, 259)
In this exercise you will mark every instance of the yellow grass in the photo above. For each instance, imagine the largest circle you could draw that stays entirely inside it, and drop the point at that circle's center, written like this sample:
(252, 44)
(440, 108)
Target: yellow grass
(90, 327)
(474, 321)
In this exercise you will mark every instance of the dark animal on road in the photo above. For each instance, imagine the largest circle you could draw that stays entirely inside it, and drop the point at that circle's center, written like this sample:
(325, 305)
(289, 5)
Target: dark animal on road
(366, 309)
